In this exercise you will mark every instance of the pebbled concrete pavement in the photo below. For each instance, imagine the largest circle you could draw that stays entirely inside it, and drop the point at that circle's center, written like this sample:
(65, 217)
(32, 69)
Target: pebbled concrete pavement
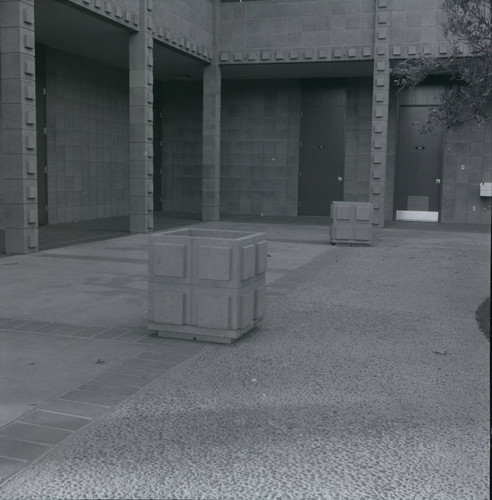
(368, 378)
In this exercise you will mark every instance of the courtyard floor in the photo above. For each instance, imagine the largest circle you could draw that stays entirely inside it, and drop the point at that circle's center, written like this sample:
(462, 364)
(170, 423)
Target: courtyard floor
(367, 378)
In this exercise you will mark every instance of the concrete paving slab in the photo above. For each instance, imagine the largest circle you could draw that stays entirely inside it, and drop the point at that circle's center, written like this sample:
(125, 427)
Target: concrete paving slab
(20, 450)
(57, 420)
(33, 433)
(120, 379)
(125, 369)
(96, 398)
(65, 407)
(9, 466)
(35, 368)
(103, 388)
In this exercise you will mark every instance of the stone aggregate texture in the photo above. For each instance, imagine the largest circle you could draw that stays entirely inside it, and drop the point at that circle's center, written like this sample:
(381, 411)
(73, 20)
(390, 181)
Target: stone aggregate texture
(368, 380)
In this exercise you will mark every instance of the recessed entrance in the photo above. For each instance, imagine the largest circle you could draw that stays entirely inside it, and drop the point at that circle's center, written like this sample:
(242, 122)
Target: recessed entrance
(418, 180)
(321, 154)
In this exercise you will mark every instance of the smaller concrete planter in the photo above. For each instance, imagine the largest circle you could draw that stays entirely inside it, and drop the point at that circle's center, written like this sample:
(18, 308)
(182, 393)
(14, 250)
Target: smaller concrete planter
(352, 223)
(206, 284)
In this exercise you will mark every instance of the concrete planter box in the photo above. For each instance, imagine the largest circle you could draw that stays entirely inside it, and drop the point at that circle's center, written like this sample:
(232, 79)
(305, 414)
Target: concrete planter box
(352, 223)
(206, 284)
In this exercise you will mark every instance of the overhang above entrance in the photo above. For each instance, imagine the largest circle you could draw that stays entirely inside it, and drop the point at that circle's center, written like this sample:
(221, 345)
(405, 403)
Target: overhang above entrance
(69, 29)
(340, 69)
(74, 30)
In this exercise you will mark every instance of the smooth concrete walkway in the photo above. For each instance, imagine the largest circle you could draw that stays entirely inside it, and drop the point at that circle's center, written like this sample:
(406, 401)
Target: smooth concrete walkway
(75, 233)
(368, 377)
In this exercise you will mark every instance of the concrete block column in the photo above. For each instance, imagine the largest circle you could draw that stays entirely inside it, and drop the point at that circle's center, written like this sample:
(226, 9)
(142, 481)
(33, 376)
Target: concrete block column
(211, 143)
(380, 110)
(18, 127)
(141, 123)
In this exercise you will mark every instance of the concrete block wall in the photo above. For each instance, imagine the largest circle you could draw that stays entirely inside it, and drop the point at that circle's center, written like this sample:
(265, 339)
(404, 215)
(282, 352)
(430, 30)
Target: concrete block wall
(19, 148)
(190, 20)
(141, 99)
(358, 140)
(87, 138)
(415, 28)
(467, 161)
(260, 147)
(2, 163)
(122, 12)
(182, 147)
(211, 135)
(131, 4)
(391, 155)
(297, 29)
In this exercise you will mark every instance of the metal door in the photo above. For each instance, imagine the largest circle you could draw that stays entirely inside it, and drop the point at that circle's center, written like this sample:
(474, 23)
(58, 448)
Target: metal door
(418, 179)
(321, 157)
(41, 145)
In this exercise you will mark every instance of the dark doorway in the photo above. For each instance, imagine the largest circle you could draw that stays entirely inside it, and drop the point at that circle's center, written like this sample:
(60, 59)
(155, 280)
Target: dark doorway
(418, 179)
(41, 143)
(157, 147)
(321, 155)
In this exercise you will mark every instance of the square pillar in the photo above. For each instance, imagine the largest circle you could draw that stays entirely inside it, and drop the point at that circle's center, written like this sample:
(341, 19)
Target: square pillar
(380, 111)
(211, 143)
(141, 79)
(18, 127)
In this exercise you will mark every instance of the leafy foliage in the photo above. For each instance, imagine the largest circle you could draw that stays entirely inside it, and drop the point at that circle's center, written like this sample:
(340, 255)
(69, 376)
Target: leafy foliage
(468, 28)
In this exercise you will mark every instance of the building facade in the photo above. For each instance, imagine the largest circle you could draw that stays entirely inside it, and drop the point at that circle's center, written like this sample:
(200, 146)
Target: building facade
(210, 107)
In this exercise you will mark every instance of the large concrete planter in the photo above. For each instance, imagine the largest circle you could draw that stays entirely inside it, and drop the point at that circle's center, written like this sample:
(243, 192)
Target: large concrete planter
(352, 223)
(206, 284)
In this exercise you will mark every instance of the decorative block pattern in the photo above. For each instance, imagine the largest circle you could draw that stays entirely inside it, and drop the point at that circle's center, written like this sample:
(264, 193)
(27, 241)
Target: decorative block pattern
(141, 136)
(214, 263)
(415, 27)
(18, 186)
(380, 110)
(352, 223)
(185, 26)
(307, 31)
(123, 12)
(225, 296)
(169, 307)
(346, 30)
(170, 260)
(261, 257)
(248, 257)
(213, 310)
